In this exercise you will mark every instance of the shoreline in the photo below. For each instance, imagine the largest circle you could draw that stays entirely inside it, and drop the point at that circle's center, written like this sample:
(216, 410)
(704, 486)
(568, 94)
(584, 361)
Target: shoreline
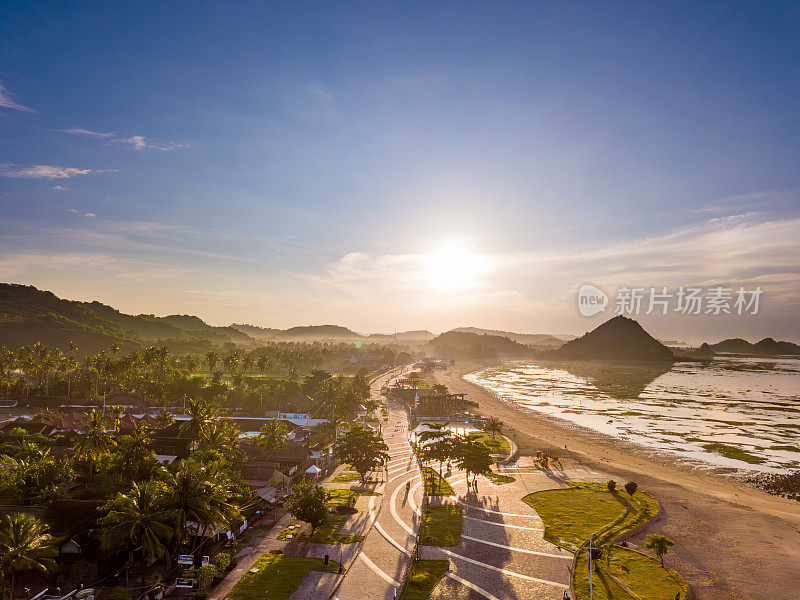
(732, 540)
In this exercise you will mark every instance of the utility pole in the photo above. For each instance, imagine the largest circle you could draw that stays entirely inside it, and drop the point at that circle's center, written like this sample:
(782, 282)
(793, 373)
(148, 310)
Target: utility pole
(591, 594)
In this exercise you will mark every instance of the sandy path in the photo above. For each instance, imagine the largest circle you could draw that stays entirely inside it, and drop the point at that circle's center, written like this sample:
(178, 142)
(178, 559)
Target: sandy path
(731, 541)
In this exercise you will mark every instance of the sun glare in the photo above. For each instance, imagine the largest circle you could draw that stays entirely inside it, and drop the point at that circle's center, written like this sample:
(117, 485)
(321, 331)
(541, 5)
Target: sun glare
(454, 268)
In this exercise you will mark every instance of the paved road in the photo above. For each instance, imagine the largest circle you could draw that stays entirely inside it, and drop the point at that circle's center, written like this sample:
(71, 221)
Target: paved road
(381, 565)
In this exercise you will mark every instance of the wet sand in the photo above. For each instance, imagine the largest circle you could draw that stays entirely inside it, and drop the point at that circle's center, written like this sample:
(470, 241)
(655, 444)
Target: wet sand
(732, 541)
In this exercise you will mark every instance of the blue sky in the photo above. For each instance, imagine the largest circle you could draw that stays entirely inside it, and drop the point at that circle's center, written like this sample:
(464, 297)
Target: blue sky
(294, 163)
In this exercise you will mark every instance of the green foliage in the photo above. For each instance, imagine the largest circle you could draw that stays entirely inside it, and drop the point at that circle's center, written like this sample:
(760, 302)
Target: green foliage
(141, 517)
(221, 560)
(308, 503)
(206, 576)
(363, 448)
(631, 487)
(660, 544)
(611, 485)
(25, 545)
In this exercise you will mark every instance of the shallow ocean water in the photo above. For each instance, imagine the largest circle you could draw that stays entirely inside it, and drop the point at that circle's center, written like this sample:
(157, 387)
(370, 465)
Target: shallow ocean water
(740, 413)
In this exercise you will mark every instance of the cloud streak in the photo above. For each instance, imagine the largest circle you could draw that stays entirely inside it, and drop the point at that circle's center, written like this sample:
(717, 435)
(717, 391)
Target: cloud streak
(87, 132)
(7, 102)
(141, 143)
(13, 171)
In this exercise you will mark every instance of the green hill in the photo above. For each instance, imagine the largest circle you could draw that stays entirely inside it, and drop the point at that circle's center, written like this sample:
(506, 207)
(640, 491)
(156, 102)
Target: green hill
(473, 345)
(28, 315)
(619, 338)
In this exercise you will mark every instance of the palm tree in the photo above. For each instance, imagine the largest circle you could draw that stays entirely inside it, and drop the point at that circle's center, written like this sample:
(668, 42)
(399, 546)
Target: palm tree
(25, 545)
(493, 425)
(135, 452)
(139, 517)
(212, 360)
(223, 437)
(95, 441)
(201, 413)
(272, 435)
(200, 493)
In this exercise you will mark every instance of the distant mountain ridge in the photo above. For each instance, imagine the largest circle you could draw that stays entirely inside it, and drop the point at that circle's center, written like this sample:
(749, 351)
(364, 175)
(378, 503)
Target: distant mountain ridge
(28, 314)
(765, 347)
(531, 339)
(619, 338)
(473, 345)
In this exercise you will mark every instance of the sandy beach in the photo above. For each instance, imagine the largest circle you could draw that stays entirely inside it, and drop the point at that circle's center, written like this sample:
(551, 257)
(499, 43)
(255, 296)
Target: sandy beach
(732, 541)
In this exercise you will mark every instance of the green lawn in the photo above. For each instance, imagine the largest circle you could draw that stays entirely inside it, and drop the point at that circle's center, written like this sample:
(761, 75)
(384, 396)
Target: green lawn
(435, 485)
(441, 525)
(573, 514)
(498, 479)
(423, 578)
(350, 476)
(278, 577)
(498, 445)
(645, 576)
(329, 534)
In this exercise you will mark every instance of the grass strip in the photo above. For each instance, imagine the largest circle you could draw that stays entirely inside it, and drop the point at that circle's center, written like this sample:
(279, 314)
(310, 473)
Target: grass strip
(498, 479)
(278, 577)
(423, 577)
(435, 484)
(498, 445)
(441, 525)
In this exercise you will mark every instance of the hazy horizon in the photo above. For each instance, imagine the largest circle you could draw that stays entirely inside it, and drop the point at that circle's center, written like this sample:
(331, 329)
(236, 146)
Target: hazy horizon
(395, 168)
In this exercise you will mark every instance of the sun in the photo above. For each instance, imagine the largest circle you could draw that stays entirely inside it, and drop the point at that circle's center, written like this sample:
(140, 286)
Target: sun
(453, 267)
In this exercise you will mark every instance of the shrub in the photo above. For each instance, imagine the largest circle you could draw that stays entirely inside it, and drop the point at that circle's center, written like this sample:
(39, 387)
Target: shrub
(631, 488)
(222, 561)
(205, 576)
(612, 485)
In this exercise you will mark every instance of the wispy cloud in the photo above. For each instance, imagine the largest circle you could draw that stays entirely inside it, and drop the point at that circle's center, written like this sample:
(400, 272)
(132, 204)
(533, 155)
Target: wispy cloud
(138, 142)
(7, 102)
(74, 211)
(87, 132)
(90, 214)
(141, 143)
(319, 92)
(59, 188)
(45, 171)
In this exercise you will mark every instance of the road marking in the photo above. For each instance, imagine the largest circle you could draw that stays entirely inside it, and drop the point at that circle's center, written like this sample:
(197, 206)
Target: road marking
(537, 553)
(499, 570)
(393, 509)
(378, 571)
(472, 586)
(504, 524)
(496, 512)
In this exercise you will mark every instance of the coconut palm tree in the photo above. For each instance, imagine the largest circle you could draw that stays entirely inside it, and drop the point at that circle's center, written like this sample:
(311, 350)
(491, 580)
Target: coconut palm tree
(135, 454)
(25, 545)
(272, 435)
(200, 493)
(95, 441)
(201, 413)
(139, 517)
(212, 360)
(223, 437)
(493, 425)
